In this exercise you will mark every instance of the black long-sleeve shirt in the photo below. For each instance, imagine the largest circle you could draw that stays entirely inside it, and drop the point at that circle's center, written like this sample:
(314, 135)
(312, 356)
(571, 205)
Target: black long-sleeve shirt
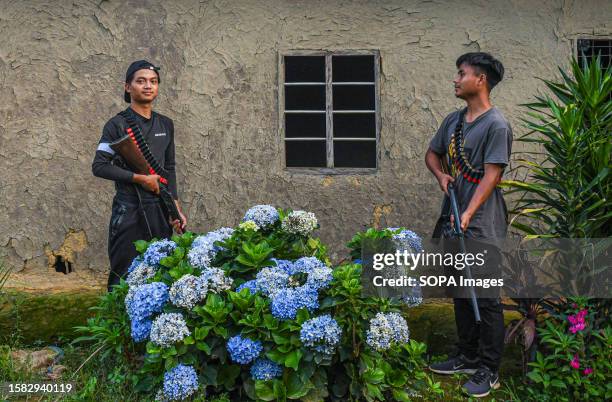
(158, 131)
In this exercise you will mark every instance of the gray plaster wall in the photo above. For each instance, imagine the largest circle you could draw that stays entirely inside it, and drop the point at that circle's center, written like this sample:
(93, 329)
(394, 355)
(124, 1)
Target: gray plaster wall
(61, 70)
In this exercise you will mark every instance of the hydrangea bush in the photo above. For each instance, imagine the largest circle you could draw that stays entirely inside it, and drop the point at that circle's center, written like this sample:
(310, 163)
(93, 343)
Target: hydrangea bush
(257, 312)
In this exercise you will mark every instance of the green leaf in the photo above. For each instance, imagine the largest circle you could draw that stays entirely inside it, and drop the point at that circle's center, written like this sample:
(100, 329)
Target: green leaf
(141, 246)
(295, 387)
(264, 391)
(293, 359)
(204, 347)
(201, 332)
(373, 376)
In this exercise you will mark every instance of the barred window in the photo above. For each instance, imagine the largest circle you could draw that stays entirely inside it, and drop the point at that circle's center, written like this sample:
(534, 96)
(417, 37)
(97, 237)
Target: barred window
(589, 49)
(329, 105)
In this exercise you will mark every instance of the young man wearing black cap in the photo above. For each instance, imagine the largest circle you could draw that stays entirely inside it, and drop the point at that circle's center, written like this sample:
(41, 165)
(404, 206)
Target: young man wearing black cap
(476, 141)
(136, 211)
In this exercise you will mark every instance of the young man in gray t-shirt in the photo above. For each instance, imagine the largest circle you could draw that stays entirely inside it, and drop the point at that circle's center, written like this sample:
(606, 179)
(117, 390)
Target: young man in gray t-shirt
(476, 143)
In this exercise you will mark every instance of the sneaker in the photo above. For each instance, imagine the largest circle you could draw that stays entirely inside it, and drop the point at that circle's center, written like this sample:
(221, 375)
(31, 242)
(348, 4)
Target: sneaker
(482, 382)
(457, 364)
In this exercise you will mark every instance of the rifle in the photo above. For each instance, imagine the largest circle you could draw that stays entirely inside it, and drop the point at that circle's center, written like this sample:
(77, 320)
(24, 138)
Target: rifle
(135, 151)
(460, 236)
(450, 206)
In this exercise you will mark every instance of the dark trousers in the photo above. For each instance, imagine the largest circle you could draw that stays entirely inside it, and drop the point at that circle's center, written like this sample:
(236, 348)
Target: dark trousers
(127, 225)
(484, 341)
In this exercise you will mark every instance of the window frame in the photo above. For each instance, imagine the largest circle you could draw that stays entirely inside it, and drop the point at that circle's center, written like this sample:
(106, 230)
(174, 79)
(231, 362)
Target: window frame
(329, 139)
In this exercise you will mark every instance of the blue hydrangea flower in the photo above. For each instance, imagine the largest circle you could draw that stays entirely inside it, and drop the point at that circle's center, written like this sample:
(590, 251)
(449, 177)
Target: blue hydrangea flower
(270, 280)
(407, 238)
(286, 266)
(140, 329)
(140, 274)
(199, 257)
(188, 291)
(307, 264)
(158, 250)
(386, 330)
(262, 215)
(216, 280)
(135, 263)
(321, 334)
(286, 302)
(143, 301)
(203, 248)
(251, 285)
(320, 277)
(180, 382)
(168, 329)
(265, 369)
(243, 350)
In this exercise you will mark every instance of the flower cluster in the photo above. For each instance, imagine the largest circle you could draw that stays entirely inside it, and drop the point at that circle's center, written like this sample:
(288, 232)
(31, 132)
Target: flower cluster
(262, 215)
(387, 329)
(216, 280)
(286, 302)
(158, 250)
(140, 274)
(188, 291)
(135, 263)
(265, 369)
(249, 225)
(250, 285)
(270, 280)
(204, 249)
(180, 382)
(321, 333)
(577, 321)
(143, 301)
(243, 350)
(407, 238)
(169, 328)
(300, 222)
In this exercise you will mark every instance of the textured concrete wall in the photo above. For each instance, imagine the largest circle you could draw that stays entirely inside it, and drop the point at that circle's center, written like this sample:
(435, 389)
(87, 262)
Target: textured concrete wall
(62, 63)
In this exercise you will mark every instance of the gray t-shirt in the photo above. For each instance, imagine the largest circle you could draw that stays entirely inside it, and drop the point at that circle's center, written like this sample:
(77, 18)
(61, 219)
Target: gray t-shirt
(488, 139)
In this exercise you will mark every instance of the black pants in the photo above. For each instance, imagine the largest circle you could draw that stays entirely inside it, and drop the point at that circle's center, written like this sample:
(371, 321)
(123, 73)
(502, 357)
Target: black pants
(484, 341)
(127, 225)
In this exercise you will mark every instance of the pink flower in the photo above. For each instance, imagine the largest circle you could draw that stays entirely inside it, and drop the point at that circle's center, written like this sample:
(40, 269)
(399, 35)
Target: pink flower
(578, 327)
(575, 363)
(587, 371)
(581, 314)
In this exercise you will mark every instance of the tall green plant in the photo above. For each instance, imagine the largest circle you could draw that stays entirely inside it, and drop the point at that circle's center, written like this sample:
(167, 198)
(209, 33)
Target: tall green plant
(568, 192)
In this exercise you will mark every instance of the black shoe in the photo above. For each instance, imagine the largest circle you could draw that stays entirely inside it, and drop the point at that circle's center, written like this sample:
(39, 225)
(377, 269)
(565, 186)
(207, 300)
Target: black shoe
(482, 382)
(458, 364)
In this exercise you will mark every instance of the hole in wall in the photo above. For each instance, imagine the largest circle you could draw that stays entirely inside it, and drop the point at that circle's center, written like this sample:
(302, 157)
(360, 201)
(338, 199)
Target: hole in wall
(63, 266)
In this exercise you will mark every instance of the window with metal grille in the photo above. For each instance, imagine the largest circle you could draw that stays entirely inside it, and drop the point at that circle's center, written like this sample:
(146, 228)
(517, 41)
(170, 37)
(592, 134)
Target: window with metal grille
(329, 108)
(588, 49)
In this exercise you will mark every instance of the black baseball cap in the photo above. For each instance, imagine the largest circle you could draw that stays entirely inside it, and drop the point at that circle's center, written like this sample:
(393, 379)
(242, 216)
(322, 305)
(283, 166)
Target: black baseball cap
(135, 66)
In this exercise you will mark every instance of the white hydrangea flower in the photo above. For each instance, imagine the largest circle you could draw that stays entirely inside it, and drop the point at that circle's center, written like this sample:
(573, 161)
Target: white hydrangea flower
(188, 291)
(216, 280)
(140, 275)
(300, 222)
(386, 330)
(168, 329)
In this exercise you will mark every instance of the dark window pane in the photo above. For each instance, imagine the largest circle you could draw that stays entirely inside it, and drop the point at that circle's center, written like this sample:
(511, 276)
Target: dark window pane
(305, 125)
(304, 68)
(353, 97)
(305, 97)
(360, 154)
(362, 125)
(305, 154)
(352, 68)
